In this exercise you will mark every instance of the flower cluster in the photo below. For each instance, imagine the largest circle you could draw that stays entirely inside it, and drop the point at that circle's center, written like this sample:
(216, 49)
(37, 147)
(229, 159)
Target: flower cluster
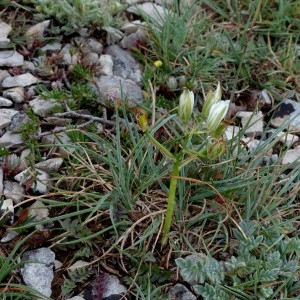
(213, 112)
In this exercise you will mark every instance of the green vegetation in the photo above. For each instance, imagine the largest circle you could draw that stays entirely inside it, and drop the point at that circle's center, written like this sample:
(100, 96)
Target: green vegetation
(157, 183)
(72, 15)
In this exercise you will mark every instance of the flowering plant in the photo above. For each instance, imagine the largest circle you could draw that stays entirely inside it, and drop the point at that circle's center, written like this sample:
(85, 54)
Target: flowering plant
(209, 127)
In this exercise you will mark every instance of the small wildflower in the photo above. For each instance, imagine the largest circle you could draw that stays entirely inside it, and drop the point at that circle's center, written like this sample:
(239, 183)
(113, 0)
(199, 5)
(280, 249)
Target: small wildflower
(158, 63)
(186, 105)
(217, 113)
(142, 119)
(210, 100)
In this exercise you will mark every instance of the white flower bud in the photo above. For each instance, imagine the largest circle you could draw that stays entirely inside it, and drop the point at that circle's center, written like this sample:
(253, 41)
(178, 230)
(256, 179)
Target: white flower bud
(186, 105)
(210, 100)
(217, 113)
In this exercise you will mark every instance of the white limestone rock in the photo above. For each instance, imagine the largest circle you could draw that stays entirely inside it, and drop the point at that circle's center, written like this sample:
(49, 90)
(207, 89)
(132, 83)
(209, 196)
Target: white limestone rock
(153, 11)
(16, 94)
(36, 32)
(5, 102)
(131, 40)
(231, 132)
(112, 88)
(19, 80)
(13, 190)
(180, 292)
(252, 122)
(10, 139)
(124, 64)
(5, 29)
(38, 274)
(287, 139)
(113, 286)
(50, 165)
(39, 180)
(38, 210)
(106, 65)
(6, 116)
(7, 211)
(287, 114)
(42, 107)
(3, 75)
(52, 47)
(8, 236)
(10, 58)
(292, 158)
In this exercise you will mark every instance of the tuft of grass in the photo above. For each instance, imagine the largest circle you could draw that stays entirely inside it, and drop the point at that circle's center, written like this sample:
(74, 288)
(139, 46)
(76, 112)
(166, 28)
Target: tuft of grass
(246, 44)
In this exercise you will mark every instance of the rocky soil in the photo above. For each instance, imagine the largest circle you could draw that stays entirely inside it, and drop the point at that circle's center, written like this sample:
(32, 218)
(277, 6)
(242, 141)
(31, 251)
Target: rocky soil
(117, 74)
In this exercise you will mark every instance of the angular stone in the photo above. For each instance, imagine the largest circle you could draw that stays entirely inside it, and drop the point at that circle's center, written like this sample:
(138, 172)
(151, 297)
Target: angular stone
(13, 190)
(153, 11)
(266, 99)
(19, 80)
(38, 210)
(231, 132)
(5, 102)
(5, 29)
(3, 75)
(88, 45)
(91, 59)
(131, 41)
(292, 158)
(68, 56)
(253, 122)
(113, 286)
(41, 180)
(114, 88)
(288, 113)
(36, 32)
(287, 139)
(125, 65)
(180, 292)
(52, 47)
(10, 139)
(15, 94)
(38, 274)
(252, 144)
(50, 165)
(42, 107)
(7, 211)
(8, 236)
(131, 27)
(17, 121)
(106, 65)
(6, 116)
(11, 58)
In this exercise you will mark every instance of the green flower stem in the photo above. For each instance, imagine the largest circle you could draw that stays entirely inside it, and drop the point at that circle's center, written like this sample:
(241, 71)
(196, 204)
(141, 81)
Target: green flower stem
(171, 202)
(159, 145)
(173, 186)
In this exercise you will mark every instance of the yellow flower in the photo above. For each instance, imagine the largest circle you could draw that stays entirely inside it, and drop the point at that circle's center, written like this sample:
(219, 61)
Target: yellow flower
(158, 63)
(142, 119)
